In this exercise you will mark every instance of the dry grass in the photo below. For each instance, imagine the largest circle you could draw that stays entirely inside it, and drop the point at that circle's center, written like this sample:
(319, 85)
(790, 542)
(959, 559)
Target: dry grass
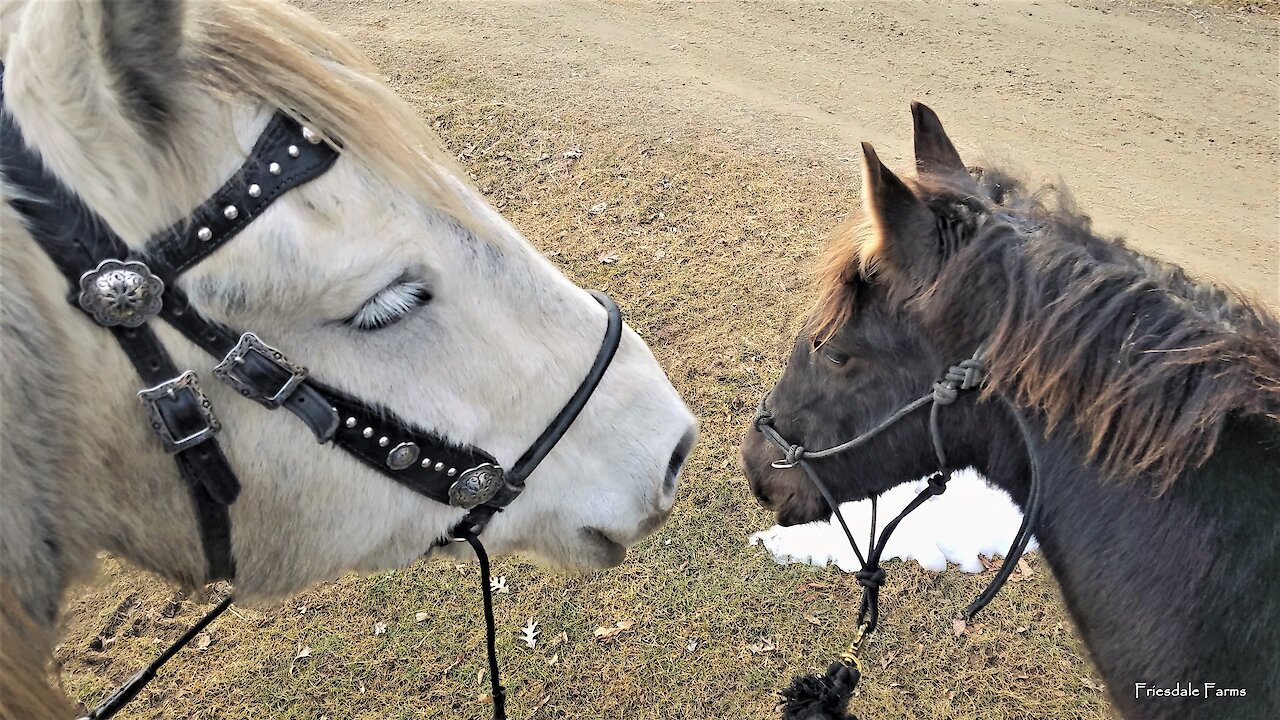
(711, 245)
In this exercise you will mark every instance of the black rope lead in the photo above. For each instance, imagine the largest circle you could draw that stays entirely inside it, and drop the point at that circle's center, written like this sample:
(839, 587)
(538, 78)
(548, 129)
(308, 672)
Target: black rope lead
(118, 699)
(499, 693)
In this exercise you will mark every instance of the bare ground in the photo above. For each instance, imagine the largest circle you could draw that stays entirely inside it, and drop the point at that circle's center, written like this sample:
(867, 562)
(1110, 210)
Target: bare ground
(721, 139)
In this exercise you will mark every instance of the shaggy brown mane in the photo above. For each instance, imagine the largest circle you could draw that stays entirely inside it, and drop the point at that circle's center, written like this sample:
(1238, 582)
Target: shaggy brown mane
(1144, 362)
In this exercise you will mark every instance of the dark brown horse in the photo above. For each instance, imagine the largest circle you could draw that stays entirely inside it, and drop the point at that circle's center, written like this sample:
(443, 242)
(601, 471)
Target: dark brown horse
(1155, 401)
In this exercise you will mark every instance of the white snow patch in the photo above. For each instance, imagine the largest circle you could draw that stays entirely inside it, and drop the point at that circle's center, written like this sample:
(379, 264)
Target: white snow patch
(969, 519)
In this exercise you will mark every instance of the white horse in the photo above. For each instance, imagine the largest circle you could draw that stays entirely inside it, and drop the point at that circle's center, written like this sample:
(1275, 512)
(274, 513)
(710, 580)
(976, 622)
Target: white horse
(143, 109)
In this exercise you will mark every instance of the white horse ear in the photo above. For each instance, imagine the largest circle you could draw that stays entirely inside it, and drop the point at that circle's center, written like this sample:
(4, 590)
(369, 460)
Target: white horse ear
(142, 47)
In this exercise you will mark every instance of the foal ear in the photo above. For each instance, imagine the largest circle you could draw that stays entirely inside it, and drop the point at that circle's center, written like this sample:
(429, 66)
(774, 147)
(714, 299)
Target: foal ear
(934, 152)
(141, 46)
(904, 240)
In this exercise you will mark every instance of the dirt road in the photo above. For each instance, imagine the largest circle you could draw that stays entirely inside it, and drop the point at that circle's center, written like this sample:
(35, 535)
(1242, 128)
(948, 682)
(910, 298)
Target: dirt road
(1162, 119)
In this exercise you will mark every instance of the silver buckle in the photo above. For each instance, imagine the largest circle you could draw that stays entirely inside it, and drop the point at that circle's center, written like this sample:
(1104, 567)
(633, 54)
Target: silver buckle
(248, 343)
(168, 390)
(476, 486)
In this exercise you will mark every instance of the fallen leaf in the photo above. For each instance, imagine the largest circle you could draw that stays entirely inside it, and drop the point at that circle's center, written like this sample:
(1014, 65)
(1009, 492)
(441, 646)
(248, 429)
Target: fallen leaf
(1023, 572)
(559, 639)
(683, 566)
(1022, 629)
(499, 585)
(554, 659)
(887, 660)
(761, 646)
(605, 634)
(486, 699)
(479, 675)
(957, 627)
(691, 645)
(609, 258)
(304, 651)
(529, 633)
(420, 617)
(379, 628)
(572, 153)
(203, 641)
(813, 619)
(538, 707)
(598, 208)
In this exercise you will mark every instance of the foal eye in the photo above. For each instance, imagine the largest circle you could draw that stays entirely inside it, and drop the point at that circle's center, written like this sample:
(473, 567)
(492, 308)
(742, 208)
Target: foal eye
(390, 305)
(836, 358)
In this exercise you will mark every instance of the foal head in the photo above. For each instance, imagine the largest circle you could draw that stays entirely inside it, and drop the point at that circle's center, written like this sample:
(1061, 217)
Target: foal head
(390, 277)
(1141, 363)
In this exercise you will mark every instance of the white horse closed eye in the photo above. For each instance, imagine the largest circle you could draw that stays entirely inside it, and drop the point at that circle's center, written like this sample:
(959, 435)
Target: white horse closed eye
(388, 276)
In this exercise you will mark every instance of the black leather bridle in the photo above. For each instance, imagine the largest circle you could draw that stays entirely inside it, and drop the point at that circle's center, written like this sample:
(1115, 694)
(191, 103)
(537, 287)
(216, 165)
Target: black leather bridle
(121, 290)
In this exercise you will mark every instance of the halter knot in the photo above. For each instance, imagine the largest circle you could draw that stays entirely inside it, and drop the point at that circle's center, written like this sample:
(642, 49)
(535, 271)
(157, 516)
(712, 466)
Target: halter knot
(762, 419)
(967, 374)
(938, 482)
(870, 577)
(794, 454)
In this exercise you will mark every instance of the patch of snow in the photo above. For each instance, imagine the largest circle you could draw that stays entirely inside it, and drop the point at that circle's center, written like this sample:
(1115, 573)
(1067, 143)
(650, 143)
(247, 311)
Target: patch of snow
(969, 519)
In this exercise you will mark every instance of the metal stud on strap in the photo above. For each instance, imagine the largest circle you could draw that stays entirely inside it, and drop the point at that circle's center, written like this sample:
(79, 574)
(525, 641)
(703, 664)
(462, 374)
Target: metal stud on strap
(180, 413)
(121, 293)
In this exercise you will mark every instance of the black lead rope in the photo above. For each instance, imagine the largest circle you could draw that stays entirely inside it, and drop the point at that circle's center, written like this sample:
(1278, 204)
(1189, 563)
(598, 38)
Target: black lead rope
(828, 696)
(118, 699)
(498, 692)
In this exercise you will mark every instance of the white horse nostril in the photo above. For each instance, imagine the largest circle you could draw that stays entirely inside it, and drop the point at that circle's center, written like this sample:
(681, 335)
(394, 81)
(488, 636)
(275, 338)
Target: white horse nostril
(677, 461)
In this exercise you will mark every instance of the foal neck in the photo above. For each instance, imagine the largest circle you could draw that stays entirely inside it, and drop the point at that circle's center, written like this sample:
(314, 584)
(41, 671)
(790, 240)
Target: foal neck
(1171, 591)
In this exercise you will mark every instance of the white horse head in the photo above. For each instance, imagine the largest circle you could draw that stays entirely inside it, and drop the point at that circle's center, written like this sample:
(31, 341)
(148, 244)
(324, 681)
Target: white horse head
(389, 276)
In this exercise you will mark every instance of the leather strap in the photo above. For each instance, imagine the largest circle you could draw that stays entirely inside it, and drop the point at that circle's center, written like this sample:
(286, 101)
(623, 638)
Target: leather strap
(285, 156)
(75, 239)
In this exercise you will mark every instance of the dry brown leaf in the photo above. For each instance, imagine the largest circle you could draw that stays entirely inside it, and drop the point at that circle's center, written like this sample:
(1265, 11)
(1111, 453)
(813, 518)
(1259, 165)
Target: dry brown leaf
(605, 634)
(379, 628)
(761, 646)
(304, 651)
(1023, 572)
(813, 619)
(203, 641)
(957, 627)
(887, 660)
(541, 703)
(420, 617)
(554, 659)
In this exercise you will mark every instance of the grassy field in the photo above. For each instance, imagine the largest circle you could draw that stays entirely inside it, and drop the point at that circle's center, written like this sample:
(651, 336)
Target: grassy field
(706, 248)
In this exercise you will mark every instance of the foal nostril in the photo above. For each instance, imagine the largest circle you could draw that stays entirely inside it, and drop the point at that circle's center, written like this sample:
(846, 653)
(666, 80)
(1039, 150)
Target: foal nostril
(677, 461)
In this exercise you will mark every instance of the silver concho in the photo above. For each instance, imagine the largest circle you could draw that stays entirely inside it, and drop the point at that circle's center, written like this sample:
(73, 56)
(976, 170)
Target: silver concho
(402, 456)
(476, 486)
(121, 293)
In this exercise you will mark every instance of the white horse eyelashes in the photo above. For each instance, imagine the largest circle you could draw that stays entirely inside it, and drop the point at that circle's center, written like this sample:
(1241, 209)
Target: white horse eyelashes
(390, 305)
